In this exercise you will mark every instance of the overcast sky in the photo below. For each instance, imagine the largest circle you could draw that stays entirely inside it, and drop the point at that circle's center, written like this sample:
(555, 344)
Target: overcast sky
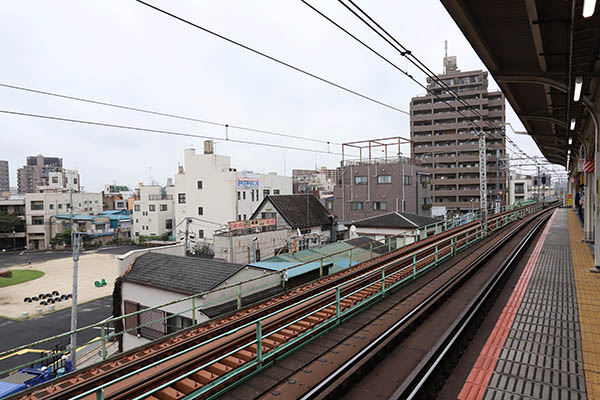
(126, 53)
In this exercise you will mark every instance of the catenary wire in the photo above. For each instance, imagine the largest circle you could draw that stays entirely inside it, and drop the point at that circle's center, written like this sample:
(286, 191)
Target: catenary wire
(420, 65)
(272, 58)
(165, 132)
(163, 114)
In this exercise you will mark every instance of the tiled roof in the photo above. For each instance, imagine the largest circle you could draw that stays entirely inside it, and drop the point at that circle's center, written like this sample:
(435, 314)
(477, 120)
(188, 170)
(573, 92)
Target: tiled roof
(300, 210)
(399, 220)
(186, 275)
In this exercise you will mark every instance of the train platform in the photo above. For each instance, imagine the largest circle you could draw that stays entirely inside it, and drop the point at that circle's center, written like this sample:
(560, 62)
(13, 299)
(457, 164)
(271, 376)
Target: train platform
(546, 342)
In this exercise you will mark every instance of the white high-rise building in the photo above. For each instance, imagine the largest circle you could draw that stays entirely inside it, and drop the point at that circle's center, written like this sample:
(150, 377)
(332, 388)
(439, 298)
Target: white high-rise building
(213, 193)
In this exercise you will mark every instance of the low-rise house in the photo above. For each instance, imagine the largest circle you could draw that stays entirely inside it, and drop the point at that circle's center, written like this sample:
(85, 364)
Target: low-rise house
(390, 224)
(97, 228)
(120, 222)
(154, 278)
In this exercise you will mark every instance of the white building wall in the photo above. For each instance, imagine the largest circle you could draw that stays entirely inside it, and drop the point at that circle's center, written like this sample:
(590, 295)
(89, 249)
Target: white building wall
(250, 198)
(148, 219)
(126, 260)
(527, 190)
(216, 197)
(238, 249)
(55, 203)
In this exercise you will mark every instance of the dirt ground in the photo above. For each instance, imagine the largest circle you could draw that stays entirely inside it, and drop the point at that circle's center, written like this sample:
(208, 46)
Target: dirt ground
(59, 276)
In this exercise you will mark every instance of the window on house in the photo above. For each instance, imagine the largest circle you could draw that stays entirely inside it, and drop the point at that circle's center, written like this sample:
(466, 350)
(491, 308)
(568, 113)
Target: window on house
(169, 224)
(239, 217)
(152, 207)
(201, 233)
(407, 179)
(199, 183)
(252, 193)
(266, 192)
(136, 207)
(200, 210)
(75, 181)
(379, 205)
(37, 220)
(239, 196)
(37, 205)
(163, 207)
(357, 205)
(55, 179)
(181, 198)
(244, 195)
(177, 322)
(137, 221)
(60, 206)
(275, 191)
(51, 206)
(384, 179)
(244, 217)
(360, 180)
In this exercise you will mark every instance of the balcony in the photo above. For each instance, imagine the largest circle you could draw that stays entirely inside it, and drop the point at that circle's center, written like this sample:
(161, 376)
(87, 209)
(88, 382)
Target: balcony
(160, 197)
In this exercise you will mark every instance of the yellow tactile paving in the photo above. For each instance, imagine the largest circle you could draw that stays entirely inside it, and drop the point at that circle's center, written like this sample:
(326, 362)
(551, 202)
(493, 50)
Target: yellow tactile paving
(587, 286)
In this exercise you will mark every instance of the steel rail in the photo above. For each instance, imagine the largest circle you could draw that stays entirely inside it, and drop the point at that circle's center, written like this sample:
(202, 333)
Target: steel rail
(325, 386)
(413, 388)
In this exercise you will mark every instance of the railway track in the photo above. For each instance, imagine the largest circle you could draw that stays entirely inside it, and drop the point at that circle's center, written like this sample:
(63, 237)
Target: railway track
(399, 356)
(183, 365)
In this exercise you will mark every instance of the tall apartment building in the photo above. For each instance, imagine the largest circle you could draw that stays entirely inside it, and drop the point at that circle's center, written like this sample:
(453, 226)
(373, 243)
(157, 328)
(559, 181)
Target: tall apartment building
(4, 177)
(447, 145)
(36, 172)
(208, 189)
(378, 185)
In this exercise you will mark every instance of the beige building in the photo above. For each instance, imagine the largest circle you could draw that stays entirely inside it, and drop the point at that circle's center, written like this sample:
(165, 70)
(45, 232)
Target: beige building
(245, 245)
(41, 207)
(153, 211)
(447, 145)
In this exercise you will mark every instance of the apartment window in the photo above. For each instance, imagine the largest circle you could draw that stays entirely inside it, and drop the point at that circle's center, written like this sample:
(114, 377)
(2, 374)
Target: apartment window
(181, 198)
(384, 179)
(244, 195)
(201, 234)
(75, 181)
(169, 224)
(137, 221)
(37, 220)
(519, 188)
(200, 210)
(407, 179)
(379, 205)
(252, 193)
(360, 180)
(60, 206)
(51, 206)
(55, 179)
(239, 196)
(163, 207)
(136, 207)
(244, 217)
(266, 192)
(152, 207)
(199, 184)
(239, 217)
(37, 205)
(357, 205)
(275, 191)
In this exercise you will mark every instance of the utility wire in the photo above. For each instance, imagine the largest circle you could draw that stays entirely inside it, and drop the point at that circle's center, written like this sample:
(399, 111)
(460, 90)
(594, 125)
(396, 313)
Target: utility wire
(162, 114)
(285, 64)
(165, 132)
(420, 65)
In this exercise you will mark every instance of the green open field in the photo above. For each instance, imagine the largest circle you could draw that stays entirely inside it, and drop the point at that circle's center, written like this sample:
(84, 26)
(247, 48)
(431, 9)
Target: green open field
(20, 276)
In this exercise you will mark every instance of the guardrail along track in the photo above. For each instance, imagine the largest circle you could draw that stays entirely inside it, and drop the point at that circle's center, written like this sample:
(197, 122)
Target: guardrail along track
(209, 354)
(416, 337)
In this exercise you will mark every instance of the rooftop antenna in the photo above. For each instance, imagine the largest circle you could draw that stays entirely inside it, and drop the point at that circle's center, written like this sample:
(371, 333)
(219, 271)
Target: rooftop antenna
(445, 55)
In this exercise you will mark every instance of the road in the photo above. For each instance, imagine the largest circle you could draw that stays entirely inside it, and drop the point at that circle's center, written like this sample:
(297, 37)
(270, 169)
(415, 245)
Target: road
(18, 333)
(10, 259)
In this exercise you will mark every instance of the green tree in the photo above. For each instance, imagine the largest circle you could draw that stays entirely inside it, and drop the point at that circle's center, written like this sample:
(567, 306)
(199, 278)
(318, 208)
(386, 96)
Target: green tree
(9, 222)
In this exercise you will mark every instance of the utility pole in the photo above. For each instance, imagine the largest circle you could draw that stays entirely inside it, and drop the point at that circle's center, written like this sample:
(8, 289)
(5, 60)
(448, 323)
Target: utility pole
(187, 233)
(497, 181)
(75, 242)
(482, 182)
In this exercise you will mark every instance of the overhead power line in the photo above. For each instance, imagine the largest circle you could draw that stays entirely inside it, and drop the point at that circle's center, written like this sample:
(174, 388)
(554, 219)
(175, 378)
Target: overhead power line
(279, 61)
(160, 131)
(420, 65)
(163, 114)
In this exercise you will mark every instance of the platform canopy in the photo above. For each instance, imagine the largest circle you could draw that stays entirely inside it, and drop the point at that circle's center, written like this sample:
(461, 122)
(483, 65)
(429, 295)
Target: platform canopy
(536, 50)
